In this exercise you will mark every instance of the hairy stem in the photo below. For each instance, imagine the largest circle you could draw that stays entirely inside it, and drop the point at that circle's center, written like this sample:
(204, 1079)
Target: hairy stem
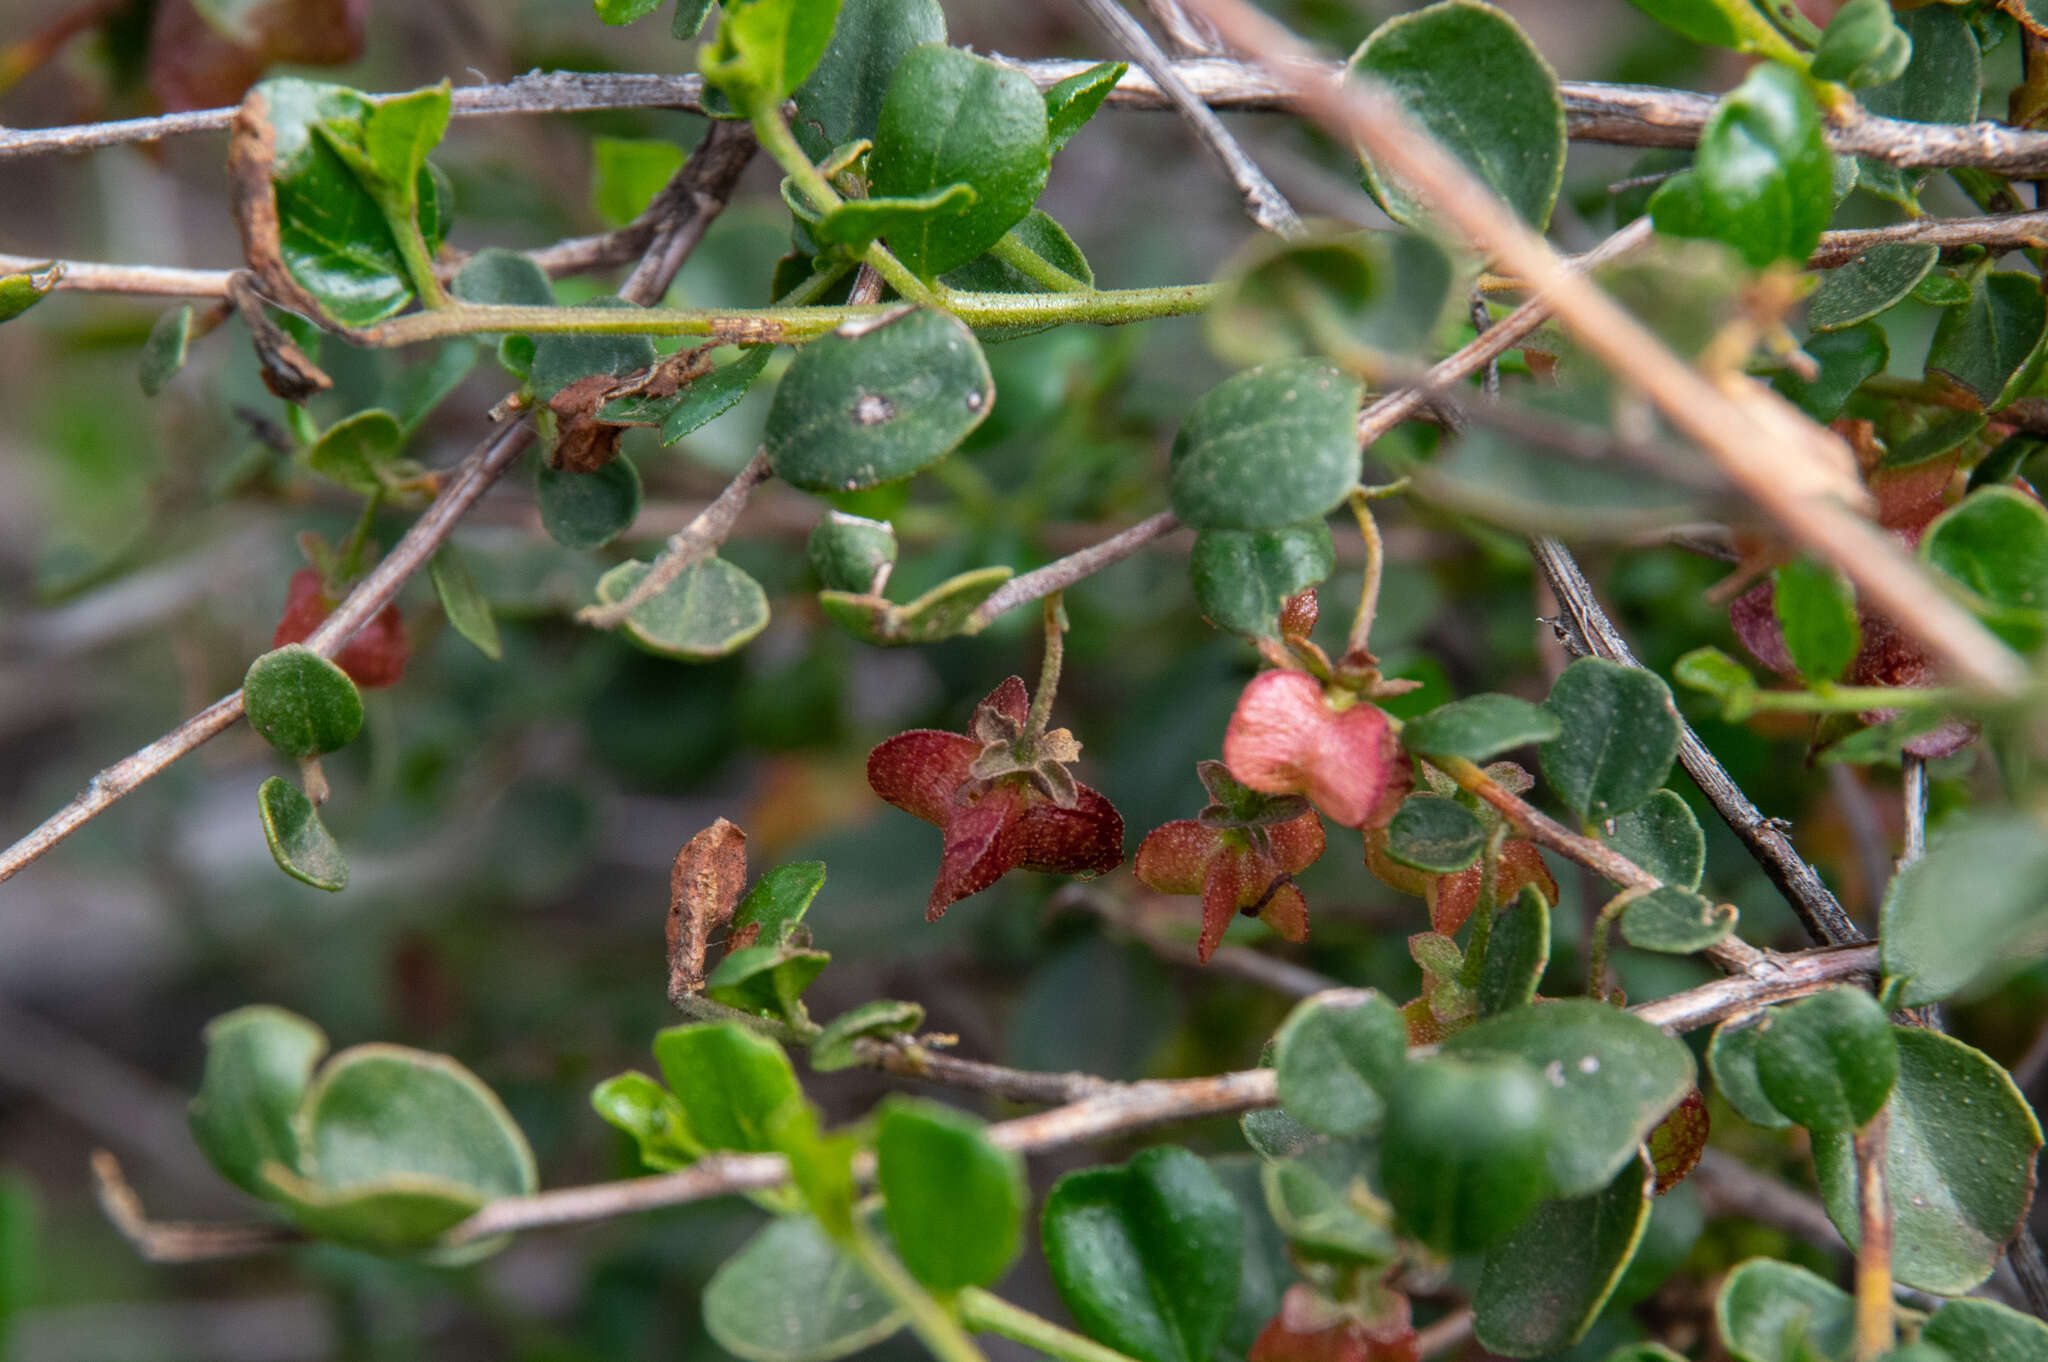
(1035, 723)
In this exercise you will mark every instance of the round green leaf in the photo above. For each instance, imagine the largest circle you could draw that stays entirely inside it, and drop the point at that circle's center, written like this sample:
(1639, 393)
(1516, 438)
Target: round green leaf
(1995, 542)
(383, 1111)
(1816, 609)
(1992, 343)
(733, 1083)
(301, 703)
(1516, 954)
(1861, 46)
(259, 1063)
(1243, 577)
(950, 117)
(1959, 1165)
(1980, 1328)
(791, 1296)
(1829, 1061)
(1762, 179)
(841, 100)
(1770, 1311)
(875, 402)
(1336, 1055)
(497, 275)
(1943, 78)
(1463, 1150)
(1971, 907)
(1436, 835)
(1147, 1256)
(1269, 447)
(1869, 284)
(588, 510)
(955, 1202)
(1731, 1056)
(1542, 1285)
(1846, 359)
(1619, 738)
(643, 1109)
(1663, 837)
(299, 842)
(847, 551)
(710, 610)
(1479, 728)
(1676, 921)
(1456, 66)
(1612, 1079)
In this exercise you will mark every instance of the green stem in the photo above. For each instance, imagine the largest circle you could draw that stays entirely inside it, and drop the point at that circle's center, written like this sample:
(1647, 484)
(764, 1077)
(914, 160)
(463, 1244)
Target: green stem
(1013, 251)
(419, 262)
(815, 286)
(989, 1314)
(1484, 913)
(930, 1321)
(1826, 698)
(348, 558)
(1603, 934)
(1375, 562)
(1757, 34)
(1048, 670)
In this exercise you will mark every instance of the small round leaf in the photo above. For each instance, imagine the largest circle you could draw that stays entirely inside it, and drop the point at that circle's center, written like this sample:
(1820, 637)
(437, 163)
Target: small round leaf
(1676, 921)
(1463, 1150)
(1436, 835)
(1336, 1055)
(1266, 448)
(1770, 1311)
(301, 703)
(1829, 1061)
(1243, 577)
(790, 1295)
(710, 610)
(1479, 729)
(589, 510)
(954, 1201)
(1619, 738)
(1731, 1056)
(1663, 837)
(299, 842)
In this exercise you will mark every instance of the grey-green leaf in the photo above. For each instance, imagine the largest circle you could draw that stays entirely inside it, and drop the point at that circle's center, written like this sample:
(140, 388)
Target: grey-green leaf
(790, 1295)
(1992, 343)
(1479, 728)
(1435, 835)
(163, 354)
(1619, 738)
(302, 704)
(1269, 447)
(710, 610)
(1770, 1311)
(1243, 577)
(259, 1063)
(1828, 1061)
(468, 610)
(1731, 1056)
(1663, 837)
(1980, 1328)
(1971, 907)
(1869, 284)
(588, 510)
(1516, 954)
(1541, 1287)
(1336, 1055)
(1676, 921)
(299, 842)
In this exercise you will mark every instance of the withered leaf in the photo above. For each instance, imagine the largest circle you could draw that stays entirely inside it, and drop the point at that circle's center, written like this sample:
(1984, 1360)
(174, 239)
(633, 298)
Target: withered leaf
(703, 889)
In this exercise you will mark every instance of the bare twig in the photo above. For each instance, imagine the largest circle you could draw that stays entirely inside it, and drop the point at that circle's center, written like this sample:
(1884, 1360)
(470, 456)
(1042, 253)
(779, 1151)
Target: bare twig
(691, 544)
(1730, 1187)
(176, 1241)
(1189, 36)
(1773, 979)
(1913, 793)
(907, 1059)
(1265, 205)
(1064, 572)
(1875, 1333)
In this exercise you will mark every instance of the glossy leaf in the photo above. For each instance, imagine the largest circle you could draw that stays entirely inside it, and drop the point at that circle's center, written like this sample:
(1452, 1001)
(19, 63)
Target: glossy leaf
(1455, 65)
(1282, 296)
(832, 1049)
(1243, 577)
(954, 1201)
(624, 11)
(588, 510)
(1760, 181)
(259, 1063)
(23, 290)
(1146, 1256)
(649, 1113)
(1541, 1287)
(1870, 283)
(1663, 837)
(1516, 954)
(951, 117)
(697, 403)
(875, 403)
(1269, 447)
(468, 610)
(943, 612)
(848, 552)
(1070, 103)
(1463, 1150)
(1828, 1061)
(841, 100)
(776, 903)
(710, 610)
(302, 704)
(1973, 906)
(299, 842)
(1991, 343)
(1676, 921)
(1861, 46)
(163, 354)
(1731, 1056)
(1704, 21)
(1959, 1166)
(790, 1295)
(1336, 1057)
(1436, 835)
(1846, 358)
(1619, 737)
(732, 1083)
(766, 980)
(1995, 542)
(764, 49)
(1774, 1312)
(1479, 728)
(1612, 1079)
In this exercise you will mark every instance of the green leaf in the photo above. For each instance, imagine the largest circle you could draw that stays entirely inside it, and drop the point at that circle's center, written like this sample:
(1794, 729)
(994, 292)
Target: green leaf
(1044, 238)
(1070, 103)
(1973, 906)
(2006, 459)
(689, 18)
(1980, 1328)
(1269, 447)
(259, 1063)
(1761, 179)
(624, 11)
(943, 612)
(697, 403)
(1774, 1312)
(21, 291)
(627, 172)
(1619, 738)
(1663, 837)
(1871, 283)
(399, 1216)
(1920, 436)
(1731, 1056)
(848, 552)
(1147, 1256)
(1282, 298)
(709, 611)
(1816, 608)
(1612, 1079)
(468, 611)
(1463, 1151)
(588, 510)
(1828, 1061)
(1479, 728)
(1320, 1222)
(1454, 66)
(1676, 921)
(643, 1109)
(1943, 75)
(1516, 954)
(950, 117)
(790, 1295)
(1991, 344)
(1861, 46)
(1703, 21)
(832, 1049)
(874, 403)
(354, 452)
(1846, 358)
(1336, 1056)
(496, 275)
(163, 354)
(417, 391)
(1243, 577)
(732, 1083)
(299, 842)
(1995, 542)
(1435, 835)
(778, 901)
(301, 703)
(841, 102)
(1719, 675)
(21, 1249)
(1541, 1287)
(767, 980)
(764, 49)
(1959, 1164)
(954, 1202)
(856, 222)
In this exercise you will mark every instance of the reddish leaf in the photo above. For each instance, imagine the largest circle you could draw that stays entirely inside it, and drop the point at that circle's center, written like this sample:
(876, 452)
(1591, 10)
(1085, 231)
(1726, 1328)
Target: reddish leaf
(918, 771)
(1521, 865)
(375, 657)
(1285, 738)
(195, 64)
(1174, 857)
(1678, 1141)
(1310, 1328)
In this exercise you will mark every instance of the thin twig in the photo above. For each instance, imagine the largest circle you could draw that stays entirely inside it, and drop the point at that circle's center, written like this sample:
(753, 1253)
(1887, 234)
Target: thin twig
(1189, 36)
(688, 546)
(1875, 1332)
(178, 1241)
(907, 1059)
(1263, 203)
(1064, 572)
(1913, 794)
